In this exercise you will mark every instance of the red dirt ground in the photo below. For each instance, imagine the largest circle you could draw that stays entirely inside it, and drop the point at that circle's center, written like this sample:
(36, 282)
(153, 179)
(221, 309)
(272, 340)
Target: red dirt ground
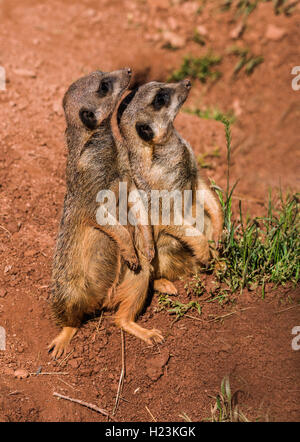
(47, 45)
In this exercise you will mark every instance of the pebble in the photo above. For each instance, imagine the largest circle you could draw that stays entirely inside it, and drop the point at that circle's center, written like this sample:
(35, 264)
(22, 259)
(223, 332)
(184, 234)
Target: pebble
(25, 73)
(201, 30)
(237, 31)
(3, 293)
(174, 39)
(21, 373)
(275, 33)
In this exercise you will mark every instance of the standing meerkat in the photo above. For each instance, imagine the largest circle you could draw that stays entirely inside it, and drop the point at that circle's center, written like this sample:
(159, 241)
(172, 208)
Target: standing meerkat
(89, 270)
(161, 159)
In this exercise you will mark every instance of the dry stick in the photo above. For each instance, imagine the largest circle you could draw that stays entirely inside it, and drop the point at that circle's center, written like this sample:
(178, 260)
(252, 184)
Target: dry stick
(84, 404)
(69, 385)
(68, 355)
(288, 308)
(99, 322)
(229, 314)
(153, 418)
(48, 373)
(121, 380)
(6, 230)
(217, 317)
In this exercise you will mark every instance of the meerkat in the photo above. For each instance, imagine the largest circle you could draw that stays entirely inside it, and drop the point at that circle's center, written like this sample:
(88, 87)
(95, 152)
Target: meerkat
(93, 264)
(161, 159)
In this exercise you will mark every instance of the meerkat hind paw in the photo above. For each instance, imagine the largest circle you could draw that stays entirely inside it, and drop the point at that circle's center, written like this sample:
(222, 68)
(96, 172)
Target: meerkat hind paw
(165, 286)
(59, 345)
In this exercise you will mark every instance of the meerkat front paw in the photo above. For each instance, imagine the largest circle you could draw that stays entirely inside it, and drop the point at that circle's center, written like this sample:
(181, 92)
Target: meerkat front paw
(150, 252)
(131, 259)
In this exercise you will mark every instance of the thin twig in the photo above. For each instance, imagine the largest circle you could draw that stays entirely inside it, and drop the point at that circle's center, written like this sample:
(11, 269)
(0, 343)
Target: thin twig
(288, 308)
(48, 373)
(153, 418)
(6, 230)
(67, 383)
(84, 404)
(67, 357)
(99, 322)
(229, 314)
(121, 380)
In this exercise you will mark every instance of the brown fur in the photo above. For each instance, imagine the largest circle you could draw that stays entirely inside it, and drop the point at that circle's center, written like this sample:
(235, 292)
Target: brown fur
(89, 270)
(161, 159)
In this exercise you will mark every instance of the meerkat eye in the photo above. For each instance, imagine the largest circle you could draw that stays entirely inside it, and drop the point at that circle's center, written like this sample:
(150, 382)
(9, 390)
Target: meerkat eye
(104, 87)
(161, 99)
(144, 131)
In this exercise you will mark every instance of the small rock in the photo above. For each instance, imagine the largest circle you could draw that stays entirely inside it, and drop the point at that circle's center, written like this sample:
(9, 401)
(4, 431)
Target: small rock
(154, 366)
(172, 23)
(237, 32)
(3, 293)
(274, 33)
(174, 39)
(237, 107)
(74, 363)
(201, 30)
(25, 73)
(189, 8)
(21, 373)
(57, 108)
(7, 269)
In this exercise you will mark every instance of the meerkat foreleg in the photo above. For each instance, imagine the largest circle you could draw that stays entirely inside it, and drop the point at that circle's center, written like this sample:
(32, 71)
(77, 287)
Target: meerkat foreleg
(213, 209)
(196, 240)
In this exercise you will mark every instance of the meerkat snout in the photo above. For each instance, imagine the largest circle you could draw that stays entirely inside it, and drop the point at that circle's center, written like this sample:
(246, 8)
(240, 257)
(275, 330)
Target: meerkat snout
(187, 83)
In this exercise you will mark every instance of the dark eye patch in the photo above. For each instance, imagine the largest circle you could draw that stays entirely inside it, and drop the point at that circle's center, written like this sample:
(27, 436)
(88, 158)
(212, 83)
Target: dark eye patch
(105, 87)
(161, 99)
(88, 118)
(144, 131)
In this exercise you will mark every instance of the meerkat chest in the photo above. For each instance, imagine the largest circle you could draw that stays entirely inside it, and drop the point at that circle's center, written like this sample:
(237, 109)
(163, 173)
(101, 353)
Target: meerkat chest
(171, 169)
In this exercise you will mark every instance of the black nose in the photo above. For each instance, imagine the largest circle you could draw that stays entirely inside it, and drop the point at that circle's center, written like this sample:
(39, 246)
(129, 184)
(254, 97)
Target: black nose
(187, 84)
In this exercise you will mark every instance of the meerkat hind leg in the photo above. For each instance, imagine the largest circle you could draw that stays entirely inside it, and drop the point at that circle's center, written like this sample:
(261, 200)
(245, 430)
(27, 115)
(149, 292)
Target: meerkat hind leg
(130, 298)
(149, 336)
(59, 345)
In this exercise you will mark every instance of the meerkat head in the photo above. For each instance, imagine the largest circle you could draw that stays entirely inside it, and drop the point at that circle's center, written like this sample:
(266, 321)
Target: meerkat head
(92, 99)
(148, 112)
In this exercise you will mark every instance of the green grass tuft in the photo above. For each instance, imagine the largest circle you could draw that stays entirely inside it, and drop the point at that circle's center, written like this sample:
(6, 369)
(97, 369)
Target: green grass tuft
(197, 68)
(263, 249)
(177, 308)
(246, 7)
(226, 408)
(212, 114)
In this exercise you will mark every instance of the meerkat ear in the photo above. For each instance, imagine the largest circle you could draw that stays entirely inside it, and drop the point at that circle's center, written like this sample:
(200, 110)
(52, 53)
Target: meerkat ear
(144, 131)
(88, 118)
